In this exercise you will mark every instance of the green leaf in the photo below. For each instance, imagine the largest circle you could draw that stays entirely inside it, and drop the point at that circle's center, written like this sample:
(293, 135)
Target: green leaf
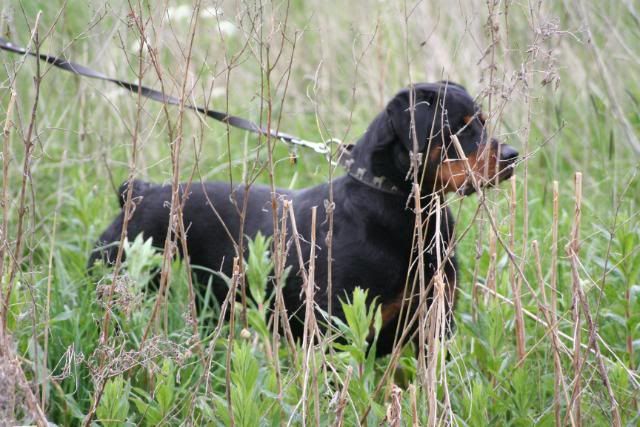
(165, 389)
(142, 260)
(114, 405)
(259, 267)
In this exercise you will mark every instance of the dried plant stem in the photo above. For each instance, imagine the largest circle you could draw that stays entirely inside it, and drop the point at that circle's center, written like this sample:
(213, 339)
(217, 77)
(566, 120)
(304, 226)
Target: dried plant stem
(4, 201)
(227, 305)
(268, 66)
(181, 199)
(554, 253)
(422, 311)
(552, 329)
(342, 399)
(330, 209)
(280, 308)
(310, 328)
(515, 281)
(26, 177)
(493, 27)
(280, 311)
(580, 301)
(176, 224)
(476, 268)
(7, 357)
(615, 360)
(520, 327)
(296, 239)
(45, 346)
(493, 258)
(573, 249)
(436, 324)
(128, 210)
(310, 324)
(235, 279)
(414, 406)
(629, 340)
(50, 275)
(554, 302)
(6, 346)
(405, 336)
(419, 238)
(490, 217)
(433, 338)
(394, 410)
(593, 342)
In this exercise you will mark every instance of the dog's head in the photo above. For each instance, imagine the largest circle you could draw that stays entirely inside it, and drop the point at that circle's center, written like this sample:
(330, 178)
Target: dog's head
(425, 120)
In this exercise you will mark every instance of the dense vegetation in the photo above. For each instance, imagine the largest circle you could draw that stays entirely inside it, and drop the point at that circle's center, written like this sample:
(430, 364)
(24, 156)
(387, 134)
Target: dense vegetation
(559, 81)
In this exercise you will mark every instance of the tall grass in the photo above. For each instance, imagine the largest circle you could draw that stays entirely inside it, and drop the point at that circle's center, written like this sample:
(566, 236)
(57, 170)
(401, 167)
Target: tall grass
(548, 312)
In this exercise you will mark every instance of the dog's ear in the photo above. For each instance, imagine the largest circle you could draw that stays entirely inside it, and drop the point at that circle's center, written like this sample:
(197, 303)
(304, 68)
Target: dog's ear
(139, 188)
(411, 113)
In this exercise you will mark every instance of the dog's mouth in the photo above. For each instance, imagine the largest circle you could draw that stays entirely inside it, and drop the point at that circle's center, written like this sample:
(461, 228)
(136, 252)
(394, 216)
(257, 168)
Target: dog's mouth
(504, 167)
(481, 169)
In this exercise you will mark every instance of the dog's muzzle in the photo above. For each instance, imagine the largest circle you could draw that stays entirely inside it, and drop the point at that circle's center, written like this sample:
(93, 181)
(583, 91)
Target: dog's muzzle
(507, 162)
(501, 170)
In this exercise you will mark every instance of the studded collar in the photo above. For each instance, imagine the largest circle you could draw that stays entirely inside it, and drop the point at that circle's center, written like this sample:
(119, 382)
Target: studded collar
(363, 175)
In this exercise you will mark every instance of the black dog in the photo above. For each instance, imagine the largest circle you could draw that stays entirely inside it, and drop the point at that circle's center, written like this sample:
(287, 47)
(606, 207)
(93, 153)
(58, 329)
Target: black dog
(374, 220)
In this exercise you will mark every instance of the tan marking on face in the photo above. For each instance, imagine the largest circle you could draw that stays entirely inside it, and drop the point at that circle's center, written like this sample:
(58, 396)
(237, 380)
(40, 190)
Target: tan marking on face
(467, 119)
(452, 174)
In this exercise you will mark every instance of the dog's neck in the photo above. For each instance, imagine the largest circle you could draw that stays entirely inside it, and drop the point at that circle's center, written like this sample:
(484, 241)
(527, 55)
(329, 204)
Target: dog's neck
(362, 172)
(360, 164)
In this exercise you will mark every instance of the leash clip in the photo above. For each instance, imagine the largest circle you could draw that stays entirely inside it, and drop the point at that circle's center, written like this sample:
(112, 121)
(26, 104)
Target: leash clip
(323, 147)
(318, 147)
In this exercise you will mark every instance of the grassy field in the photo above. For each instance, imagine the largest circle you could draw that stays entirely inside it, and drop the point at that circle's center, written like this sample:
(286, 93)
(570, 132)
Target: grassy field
(558, 344)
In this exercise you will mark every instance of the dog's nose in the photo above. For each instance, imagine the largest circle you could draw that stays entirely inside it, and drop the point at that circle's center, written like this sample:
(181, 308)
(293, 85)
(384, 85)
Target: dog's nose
(508, 153)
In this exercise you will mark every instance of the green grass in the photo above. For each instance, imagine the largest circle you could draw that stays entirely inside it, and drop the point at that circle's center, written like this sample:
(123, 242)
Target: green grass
(83, 146)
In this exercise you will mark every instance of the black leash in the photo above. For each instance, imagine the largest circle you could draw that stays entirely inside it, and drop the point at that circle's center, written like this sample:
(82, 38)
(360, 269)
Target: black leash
(237, 122)
(344, 150)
